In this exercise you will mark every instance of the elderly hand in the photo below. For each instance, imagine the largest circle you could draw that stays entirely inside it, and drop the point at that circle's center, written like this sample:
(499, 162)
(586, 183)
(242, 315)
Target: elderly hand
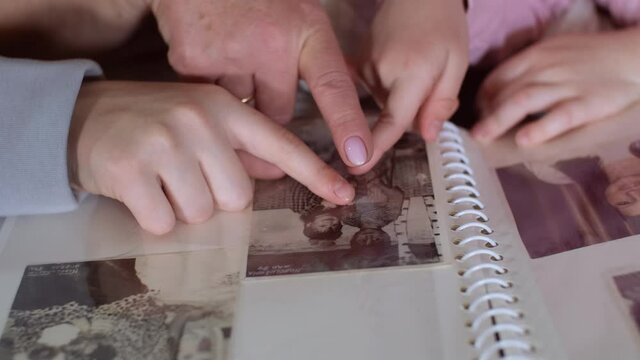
(261, 47)
(170, 150)
(571, 80)
(414, 65)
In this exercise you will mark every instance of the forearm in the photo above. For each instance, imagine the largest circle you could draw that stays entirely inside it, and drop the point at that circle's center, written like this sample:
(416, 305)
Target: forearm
(67, 27)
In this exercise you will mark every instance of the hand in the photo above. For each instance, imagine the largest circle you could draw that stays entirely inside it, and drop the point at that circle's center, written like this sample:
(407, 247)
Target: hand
(572, 80)
(414, 66)
(171, 150)
(258, 47)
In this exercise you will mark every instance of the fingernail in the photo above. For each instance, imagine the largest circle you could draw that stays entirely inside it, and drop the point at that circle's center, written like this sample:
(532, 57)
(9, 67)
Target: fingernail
(433, 129)
(344, 191)
(355, 150)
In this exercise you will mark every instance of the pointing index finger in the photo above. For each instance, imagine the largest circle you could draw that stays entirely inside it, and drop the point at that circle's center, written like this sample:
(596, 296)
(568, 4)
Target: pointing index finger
(278, 146)
(325, 71)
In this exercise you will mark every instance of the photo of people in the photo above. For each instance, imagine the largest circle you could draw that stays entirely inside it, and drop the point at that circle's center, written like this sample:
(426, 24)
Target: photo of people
(390, 223)
(170, 306)
(564, 205)
(629, 287)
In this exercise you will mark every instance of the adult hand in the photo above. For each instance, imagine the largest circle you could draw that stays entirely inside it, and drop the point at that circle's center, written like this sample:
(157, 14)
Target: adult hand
(571, 80)
(260, 47)
(414, 65)
(170, 150)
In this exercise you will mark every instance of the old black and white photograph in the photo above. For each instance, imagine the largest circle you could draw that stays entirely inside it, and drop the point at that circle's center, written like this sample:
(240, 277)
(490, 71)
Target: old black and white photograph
(169, 306)
(392, 221)
(628, 286)
(567, 204)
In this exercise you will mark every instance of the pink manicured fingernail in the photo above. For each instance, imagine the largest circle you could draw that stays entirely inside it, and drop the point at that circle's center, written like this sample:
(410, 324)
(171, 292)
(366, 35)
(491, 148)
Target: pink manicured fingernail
(355, 150)
(344, 191)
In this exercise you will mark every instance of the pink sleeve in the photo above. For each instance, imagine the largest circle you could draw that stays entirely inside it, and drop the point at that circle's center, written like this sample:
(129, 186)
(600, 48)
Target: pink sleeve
(624, 12)
(498, 28)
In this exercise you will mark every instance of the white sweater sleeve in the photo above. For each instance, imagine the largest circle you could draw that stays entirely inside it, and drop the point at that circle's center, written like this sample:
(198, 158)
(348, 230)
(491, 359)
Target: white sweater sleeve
(37, 99)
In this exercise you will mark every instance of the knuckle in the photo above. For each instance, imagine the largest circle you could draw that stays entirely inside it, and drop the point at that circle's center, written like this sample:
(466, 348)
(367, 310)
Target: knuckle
(274, 38)
(189, 114)
(388, 63)
(185, 59)
(149, 218)
(522, 98)
(333, 82)
(289, 142)
(158, 137)
(158, 226)
(345, 120)
(235, 199)
(569, 116)
(282, 117)
(199, 212)
(413, 61)
(120, 166)
(278, 173)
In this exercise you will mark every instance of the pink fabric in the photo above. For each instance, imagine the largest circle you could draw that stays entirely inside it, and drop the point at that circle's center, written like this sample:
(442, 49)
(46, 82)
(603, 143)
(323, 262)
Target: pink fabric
(500, 27)
(497, 28)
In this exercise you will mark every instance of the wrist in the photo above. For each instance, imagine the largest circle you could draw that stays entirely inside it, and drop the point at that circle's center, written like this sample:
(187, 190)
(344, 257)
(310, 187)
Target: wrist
(86, 100)
(75, 127)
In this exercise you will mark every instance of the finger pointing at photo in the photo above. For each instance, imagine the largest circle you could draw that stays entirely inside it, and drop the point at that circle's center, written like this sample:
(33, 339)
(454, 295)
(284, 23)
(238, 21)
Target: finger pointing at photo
(170, 151)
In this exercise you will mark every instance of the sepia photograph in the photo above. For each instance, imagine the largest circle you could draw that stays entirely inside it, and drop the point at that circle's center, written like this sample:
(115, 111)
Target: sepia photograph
(569, 204)
(169, 306)
(392, 221)
(628, 286)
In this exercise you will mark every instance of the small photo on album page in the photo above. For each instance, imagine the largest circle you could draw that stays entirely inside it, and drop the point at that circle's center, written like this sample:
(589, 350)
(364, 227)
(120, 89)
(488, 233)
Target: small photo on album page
(391, 223)
(168, 306)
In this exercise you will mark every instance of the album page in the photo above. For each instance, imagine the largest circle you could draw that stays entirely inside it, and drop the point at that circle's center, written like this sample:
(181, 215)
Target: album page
(573, 207)
(89, 269)
(391, 223)
(371, 280)
(502, 307)
(163, 306)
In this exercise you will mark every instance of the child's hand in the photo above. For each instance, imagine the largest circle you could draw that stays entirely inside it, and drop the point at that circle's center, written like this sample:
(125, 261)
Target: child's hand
(171, 150)
(571, 80)
(414, 65)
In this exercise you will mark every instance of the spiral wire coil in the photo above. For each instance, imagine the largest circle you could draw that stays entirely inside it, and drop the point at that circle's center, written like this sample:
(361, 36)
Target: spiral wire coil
(494, 320)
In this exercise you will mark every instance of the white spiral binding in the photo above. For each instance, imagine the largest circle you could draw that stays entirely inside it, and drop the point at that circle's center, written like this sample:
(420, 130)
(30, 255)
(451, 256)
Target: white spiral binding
(496, 325)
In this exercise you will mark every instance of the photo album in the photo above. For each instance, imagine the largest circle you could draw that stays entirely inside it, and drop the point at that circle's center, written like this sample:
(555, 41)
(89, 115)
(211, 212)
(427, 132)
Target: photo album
(164, 306)
(450, 250)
